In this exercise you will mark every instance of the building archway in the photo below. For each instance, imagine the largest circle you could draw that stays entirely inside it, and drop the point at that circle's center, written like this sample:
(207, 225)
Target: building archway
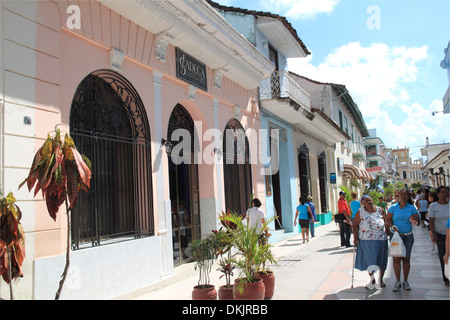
(183, 184)
(109, 125)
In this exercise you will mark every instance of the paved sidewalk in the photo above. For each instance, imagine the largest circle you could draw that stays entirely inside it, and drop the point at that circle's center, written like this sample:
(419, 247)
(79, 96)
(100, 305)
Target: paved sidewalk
(321, 270)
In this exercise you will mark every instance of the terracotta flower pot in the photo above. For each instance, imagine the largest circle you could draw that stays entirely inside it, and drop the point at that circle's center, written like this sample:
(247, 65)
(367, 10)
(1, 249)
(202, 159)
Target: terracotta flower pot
(204, 292)
(269, 283)
(252, 291)
(226, 292)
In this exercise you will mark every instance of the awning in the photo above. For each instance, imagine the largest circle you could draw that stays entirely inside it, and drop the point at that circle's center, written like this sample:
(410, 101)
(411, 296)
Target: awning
(352, 172)
(367, 175)
(355, 173)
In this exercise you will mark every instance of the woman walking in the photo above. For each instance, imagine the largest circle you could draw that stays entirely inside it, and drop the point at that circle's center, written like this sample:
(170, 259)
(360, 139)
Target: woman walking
(371, 239)
(401, 217)
(422, 206)
(439, 213)
(303, 213)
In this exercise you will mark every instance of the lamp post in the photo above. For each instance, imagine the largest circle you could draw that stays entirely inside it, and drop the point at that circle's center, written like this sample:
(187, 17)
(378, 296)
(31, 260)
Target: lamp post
(168, 146)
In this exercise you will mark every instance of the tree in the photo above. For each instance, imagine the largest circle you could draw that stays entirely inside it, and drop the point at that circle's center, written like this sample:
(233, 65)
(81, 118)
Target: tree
(60, 172)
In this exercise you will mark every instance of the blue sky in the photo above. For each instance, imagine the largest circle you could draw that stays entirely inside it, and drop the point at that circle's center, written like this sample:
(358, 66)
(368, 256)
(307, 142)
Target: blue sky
(386, 52)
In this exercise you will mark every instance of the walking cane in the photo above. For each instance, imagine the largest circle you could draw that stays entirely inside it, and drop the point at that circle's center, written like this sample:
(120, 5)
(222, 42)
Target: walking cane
(353, 269)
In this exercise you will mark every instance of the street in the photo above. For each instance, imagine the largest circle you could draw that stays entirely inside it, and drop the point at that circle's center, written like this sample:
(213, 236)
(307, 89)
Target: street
(321, 270)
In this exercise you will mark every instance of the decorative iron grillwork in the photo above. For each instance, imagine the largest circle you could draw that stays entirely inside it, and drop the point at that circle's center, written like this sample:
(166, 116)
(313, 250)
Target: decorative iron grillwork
(237, 173)
(109, 125)
(304, 170)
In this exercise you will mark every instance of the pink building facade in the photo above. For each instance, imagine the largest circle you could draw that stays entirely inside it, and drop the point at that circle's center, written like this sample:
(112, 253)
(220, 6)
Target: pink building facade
(111, 74)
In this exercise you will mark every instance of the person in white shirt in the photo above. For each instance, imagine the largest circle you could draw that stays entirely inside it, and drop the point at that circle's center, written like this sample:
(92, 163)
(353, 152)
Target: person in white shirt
(255, 216)
(439, 213)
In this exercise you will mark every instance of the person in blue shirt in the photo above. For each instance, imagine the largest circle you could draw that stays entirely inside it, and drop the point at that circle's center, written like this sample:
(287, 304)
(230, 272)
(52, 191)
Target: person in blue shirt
(401, 217)
(310, 204)
(303, 213)
(354, 204)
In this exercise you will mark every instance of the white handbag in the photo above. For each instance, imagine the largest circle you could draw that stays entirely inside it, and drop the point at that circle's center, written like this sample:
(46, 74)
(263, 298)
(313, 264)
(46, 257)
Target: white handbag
(397, 247)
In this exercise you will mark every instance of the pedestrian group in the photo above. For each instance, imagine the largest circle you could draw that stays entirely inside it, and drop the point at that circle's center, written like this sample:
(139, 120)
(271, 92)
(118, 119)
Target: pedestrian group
(373, 227)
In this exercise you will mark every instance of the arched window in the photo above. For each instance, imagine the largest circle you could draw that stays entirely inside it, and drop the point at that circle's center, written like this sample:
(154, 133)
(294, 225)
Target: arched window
(236, 167)
(109, 125)
(304, 170)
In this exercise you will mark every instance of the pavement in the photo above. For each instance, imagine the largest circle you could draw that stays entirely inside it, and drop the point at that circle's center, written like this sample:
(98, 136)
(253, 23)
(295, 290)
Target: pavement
(320, 270)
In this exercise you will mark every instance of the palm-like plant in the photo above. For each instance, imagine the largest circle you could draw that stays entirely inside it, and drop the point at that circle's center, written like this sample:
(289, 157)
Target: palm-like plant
(250, 253)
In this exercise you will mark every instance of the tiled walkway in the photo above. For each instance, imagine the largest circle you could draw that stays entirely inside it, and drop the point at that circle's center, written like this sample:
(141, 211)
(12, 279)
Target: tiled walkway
(321, 270)
(425, 277)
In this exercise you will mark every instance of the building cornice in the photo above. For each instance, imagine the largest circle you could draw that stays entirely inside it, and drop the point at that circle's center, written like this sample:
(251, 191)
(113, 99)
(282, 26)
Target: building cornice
(199, 30)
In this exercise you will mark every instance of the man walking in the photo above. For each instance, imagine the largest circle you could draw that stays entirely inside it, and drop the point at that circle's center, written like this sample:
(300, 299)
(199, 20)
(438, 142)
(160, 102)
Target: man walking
(345, 223)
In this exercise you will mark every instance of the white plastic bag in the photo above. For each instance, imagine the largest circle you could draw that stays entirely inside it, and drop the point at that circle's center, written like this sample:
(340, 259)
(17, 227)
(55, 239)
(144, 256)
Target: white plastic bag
(397, 247)
(447, 269)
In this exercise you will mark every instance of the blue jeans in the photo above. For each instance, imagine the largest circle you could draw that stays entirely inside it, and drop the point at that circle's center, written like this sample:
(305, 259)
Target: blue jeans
(311, 227)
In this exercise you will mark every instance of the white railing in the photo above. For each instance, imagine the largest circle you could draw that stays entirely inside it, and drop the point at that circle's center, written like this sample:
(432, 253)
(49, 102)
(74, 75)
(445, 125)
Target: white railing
(282, 85)
(446, 101)
(359, 149)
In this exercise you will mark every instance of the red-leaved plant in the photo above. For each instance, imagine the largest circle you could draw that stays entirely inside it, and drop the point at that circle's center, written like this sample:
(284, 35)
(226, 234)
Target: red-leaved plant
(60, 172)
(12, 241)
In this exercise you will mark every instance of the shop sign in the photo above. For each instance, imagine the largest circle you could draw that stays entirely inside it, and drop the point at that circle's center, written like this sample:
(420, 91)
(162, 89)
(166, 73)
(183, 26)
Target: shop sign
(332, 178)
(190, 70)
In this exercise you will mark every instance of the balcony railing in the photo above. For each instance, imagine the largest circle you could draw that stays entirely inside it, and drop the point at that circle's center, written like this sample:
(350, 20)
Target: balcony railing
(281, 85)
(359, 149)
(446, 101)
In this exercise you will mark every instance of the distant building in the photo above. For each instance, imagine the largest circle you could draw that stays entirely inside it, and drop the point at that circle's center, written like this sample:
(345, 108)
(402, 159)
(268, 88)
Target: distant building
(437, 165)
(410, 171)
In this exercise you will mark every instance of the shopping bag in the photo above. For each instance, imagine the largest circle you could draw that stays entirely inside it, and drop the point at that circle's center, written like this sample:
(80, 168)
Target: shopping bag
(447, 269)
(397, 247)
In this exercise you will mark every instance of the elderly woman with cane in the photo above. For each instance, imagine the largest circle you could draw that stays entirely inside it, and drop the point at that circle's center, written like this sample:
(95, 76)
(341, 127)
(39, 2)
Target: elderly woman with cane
(369, 234)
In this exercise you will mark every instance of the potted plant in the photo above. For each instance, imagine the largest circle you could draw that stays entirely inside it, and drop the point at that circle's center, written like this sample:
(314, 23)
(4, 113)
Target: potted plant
(265, 273)
(60, 172)
(204, 253)
(12, 241)
(250, 253)
(225, 262)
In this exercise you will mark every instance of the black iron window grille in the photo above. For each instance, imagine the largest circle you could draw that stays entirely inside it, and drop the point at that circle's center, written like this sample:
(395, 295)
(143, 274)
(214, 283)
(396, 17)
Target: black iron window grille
(109, 125)
(304, 170)
(322, 164)
(237, 173)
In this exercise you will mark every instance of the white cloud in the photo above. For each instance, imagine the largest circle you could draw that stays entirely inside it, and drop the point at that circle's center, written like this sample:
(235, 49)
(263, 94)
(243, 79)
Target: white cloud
(376, 75)
(378, 78)
(303, 9)
(412, 129)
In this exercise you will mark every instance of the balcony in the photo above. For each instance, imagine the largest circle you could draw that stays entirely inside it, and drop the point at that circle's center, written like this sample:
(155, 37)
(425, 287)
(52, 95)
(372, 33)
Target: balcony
(446, 101)
(281, 86)
(373, 153)
(358, 151)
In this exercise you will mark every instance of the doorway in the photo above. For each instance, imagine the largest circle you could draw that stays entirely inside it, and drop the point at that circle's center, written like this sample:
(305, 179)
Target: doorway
(184, 191)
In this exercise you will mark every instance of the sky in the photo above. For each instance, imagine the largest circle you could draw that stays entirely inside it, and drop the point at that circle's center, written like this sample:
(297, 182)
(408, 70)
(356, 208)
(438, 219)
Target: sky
(386, 52)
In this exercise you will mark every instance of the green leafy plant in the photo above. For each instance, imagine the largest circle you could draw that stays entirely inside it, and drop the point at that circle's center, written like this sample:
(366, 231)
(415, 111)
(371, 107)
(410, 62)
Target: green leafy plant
(250, 252)
(12, 241)
(204, 252)
(60, 172)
